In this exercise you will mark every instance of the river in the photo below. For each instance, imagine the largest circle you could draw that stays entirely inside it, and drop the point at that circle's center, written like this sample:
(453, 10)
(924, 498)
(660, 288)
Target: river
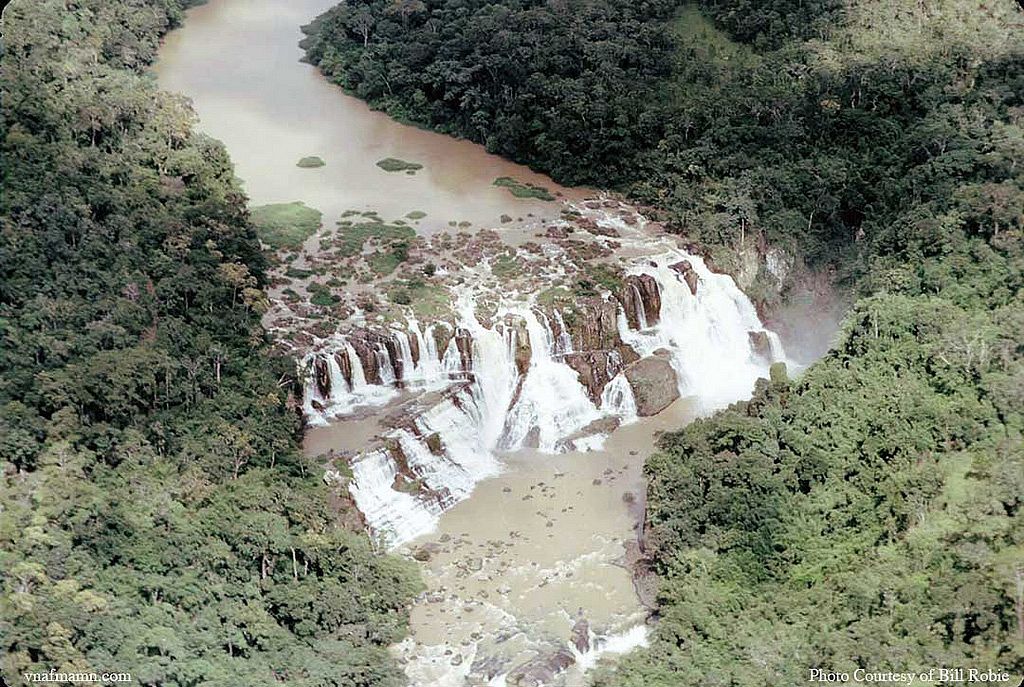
(238, 60)
(541, 543)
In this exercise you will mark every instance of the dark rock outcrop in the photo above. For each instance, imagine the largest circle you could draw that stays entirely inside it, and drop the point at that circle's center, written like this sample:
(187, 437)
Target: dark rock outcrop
(442, 335)
(345, 365)
(603, 425)
(394, 350)
(464, 342)
(595, 369)
(365, 344)
(414, 349)
(542, 669)
(760, 344)
(523, 345)
(580, 636)
(640, 291)
(322, 376)
(654, 383)
(594, 326)
(689, 275)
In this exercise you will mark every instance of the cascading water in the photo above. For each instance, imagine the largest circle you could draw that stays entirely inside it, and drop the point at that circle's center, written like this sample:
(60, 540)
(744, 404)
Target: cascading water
(618, 399)
(706, 333)
(495, 402)
(551, 403)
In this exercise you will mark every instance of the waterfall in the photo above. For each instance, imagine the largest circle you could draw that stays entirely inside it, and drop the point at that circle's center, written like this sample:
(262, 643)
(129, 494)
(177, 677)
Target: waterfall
(552, 402)
(617, 399)
(638, 305)
(562, 343)
(491, 401)
(358, 376)
(385, 367)
(344, 397)
(392, 513)
(497, 408)
(426, 372)
(705, 333)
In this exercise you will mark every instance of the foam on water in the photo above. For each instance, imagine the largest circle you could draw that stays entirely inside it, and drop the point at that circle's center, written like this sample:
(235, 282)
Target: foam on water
(488, 405)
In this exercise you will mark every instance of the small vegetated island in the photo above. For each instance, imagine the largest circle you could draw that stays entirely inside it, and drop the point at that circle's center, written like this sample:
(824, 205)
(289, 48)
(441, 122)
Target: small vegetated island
(393, 164)
(310, 162)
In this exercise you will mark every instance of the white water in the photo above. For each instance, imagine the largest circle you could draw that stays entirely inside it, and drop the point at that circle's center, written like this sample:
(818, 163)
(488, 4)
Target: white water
(618, 399)
(344, 397)
(619, 643)
(707, 336)
(552, 402)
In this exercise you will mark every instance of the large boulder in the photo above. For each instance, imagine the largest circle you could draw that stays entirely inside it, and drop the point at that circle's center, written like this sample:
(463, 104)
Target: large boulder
(524, 350)
(542, 669)
(592, 325)
(689, 275)
(602, 425)
(654, 384)
(580, 636)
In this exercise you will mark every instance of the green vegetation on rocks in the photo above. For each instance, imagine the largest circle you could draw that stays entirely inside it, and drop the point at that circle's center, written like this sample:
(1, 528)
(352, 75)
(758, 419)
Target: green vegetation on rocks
(285, 225)
(352, 239)
(393, 164)
(520, 189)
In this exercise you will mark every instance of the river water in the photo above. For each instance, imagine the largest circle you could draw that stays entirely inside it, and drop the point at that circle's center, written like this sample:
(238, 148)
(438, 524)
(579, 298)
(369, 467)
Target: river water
(238, 60)
(510, 570)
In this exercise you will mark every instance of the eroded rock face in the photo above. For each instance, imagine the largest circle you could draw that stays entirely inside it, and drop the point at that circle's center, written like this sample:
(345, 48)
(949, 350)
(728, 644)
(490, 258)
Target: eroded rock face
(598, 352)
(464, 342)
(603, 425)
(640, 293)
(414, 350)
(595, 370)
(365, 345)
(523, 348)
(345, 365)
(395, 356)
(322, 376)
(595, 326)
(685, 269)
(488, 667)
(442, 335)
(654, 384)
(541, 670)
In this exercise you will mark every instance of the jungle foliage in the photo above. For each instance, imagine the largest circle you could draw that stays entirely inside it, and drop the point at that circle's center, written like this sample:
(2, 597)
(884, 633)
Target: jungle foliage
(156, 516)
(868, 514)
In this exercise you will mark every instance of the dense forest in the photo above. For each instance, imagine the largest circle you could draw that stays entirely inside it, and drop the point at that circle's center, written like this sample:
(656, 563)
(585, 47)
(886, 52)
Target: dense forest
(869, 513)
(156, 517)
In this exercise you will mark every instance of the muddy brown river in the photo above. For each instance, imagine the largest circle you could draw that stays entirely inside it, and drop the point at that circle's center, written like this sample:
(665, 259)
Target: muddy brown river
(238, 60)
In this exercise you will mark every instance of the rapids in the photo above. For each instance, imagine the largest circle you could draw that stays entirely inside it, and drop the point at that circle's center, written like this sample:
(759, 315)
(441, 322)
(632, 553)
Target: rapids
(495, 400)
